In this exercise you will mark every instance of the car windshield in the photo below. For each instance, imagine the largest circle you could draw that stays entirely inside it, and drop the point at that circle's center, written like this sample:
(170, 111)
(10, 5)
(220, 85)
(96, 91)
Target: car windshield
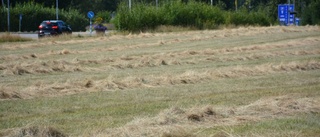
(49, 24)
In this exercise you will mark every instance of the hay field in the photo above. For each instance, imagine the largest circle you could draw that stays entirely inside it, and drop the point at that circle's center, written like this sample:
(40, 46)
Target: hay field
(247, 81)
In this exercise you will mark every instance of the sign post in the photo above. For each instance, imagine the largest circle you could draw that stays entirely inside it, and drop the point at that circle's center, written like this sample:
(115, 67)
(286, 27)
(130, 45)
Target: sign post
(20, 19)
(90, 16)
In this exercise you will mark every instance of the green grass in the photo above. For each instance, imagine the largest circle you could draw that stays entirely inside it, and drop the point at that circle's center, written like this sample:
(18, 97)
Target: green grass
(304, 125)
(129, 84)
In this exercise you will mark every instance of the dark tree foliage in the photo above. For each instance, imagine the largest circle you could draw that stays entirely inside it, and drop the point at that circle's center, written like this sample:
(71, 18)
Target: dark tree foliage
(83, 6)
(307, 10)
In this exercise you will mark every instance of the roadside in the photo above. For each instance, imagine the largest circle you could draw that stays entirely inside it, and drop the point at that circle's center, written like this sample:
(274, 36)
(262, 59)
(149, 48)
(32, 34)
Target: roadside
(34, 35)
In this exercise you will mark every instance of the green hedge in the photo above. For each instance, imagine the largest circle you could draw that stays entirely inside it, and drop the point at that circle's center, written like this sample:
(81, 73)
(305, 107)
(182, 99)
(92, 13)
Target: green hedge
(243, 17)
(192, 14)
(34, 14)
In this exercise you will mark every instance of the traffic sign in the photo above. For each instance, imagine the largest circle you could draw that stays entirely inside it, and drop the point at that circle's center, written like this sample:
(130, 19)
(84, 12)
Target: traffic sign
(90, 14)
(284, 14)
(291, 16)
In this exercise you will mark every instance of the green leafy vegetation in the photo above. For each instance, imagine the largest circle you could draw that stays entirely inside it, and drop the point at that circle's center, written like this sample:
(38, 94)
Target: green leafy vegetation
(147, 15)
(34, 14)
(193, 14)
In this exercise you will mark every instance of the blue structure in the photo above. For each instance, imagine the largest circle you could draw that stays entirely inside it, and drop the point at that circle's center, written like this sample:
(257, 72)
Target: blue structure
(285, 14)
(297, 21)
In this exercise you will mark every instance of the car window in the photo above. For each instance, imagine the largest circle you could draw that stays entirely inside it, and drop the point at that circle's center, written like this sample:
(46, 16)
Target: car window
(49, 23)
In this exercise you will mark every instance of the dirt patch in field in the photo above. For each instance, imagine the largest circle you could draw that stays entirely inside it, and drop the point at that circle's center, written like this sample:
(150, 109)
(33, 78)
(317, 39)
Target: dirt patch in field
(183, 121)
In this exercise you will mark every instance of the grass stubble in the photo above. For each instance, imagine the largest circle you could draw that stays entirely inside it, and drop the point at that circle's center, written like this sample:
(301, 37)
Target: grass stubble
(248, 81)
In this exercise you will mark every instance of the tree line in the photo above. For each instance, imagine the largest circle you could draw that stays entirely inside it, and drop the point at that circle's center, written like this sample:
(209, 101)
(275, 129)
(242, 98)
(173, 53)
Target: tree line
(308, 10)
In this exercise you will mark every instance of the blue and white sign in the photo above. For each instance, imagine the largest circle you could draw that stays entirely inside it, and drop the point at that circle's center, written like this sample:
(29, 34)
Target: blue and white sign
(283, 13)
(284, 10)
(291, 19)
(90, 14)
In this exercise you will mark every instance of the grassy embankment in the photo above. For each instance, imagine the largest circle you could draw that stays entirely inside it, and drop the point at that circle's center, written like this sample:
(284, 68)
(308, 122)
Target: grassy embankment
(12, 38)
(256, 81)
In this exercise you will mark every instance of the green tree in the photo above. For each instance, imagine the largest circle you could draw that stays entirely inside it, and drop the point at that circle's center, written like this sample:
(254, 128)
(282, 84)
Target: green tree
(311, 14)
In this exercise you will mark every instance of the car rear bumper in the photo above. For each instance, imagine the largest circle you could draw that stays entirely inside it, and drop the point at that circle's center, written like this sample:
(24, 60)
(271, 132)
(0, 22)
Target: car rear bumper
(46, 33)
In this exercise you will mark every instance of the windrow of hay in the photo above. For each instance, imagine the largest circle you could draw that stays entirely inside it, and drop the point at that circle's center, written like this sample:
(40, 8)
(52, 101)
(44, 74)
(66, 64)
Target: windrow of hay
(189, 36)
(39, 67)
(175, 57)
(36, 131)
(8, 93)
(189, 77)
(34, 55)
(292, 43)
(159, 60)
(70, 87)
(140, 61)
(181, 122)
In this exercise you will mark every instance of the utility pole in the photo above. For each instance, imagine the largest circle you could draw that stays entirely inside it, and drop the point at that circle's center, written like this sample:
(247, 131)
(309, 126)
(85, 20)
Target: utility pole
(236, 4)
(57, 9)
(8, 15)
(3, 3)
(130, 4)
(157, 3)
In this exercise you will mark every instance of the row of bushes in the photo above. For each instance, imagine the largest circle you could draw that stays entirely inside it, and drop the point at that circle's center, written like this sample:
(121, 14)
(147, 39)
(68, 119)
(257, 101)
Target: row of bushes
(193, 14)
(33, 14)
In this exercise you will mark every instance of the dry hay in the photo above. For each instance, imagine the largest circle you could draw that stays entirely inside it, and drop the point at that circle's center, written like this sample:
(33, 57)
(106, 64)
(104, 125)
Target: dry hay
(189, 36)
(9, 93)
(178, 121)
(72, 86)
(125, 62)
(35, 55)
(36, 67)
(162, 58)
(35, 131)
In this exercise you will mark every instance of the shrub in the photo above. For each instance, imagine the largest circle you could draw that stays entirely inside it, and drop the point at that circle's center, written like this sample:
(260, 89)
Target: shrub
(192, 14)
(311, 14)
(34, 14)
(244, 17)
(142, 16)
(104, 15)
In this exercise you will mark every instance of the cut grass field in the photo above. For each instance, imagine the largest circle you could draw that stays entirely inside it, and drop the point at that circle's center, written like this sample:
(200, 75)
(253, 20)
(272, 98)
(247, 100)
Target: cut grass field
(249, 81)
